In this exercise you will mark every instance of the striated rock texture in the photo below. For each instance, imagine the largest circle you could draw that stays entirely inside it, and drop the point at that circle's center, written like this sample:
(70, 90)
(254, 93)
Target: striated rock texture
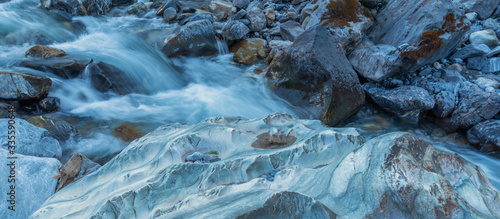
(486, 135)
(195, 38)
(15, 86)
(33, 183)
(314, 74)
(79, 7)
(326, 172)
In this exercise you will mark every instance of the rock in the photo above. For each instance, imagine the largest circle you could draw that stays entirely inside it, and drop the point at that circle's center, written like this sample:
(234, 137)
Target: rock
(483, 8)
(196, 156)
(371, 3)
(33, 183)
(348, 19)
(456, 67)
(252, 44)
(270, 16)
(475, 105)
(487, 82)
(170, 14)
(314, 74)
(257, 19)
(472, 16)
(476, 63)
(195, 38)
(105, 77)
(240, 15)
(404, 176)
(7, 110)
(240, 4)
(168, 4)
(44, 52)
(490, 24)
(444, 104)
(486, 135)
(235, 30)
(15, 86)
(290, 30)
(49, 104)
(58, 128)
(216, 6)
(77, 167)
(492, 65)
(495, 51)
(78, 8)
(62, 67)
(31, 140)
(292, 14)
(425, 31)
(137, 8)
(487, 37)
(128, 132)
(245, 56)
(122, 2)
(405, 101)
(376, 62)
(469, 51)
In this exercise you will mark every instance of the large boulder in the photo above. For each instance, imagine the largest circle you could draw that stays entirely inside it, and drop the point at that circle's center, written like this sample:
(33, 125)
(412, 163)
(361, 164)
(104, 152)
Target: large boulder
(15, 86)
(487, 37)
(195, 38)
(105, 77)
(314, 74)
(486, 135)
(62, 67)
(30, 140)
(483, 8)
(404, 176)
(77, 7)
(33, 183)
(404, 101)
(376, 62)
(257, 19)
(235, 30)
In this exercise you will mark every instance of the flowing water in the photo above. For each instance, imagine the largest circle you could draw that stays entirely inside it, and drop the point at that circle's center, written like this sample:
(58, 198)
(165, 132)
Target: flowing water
(177, 90)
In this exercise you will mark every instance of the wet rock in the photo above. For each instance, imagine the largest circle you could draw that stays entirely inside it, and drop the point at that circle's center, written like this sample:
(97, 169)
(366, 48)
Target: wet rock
(170, 14)
(483, 8)
(245, 56)
(486, 135)
(105, 77)
(475, 105)
(195, 38)
(268, 141)
(15, 86)
(62, 67)
(290, 30)
(376, 62)
(470, 51)
(128, 132)
(167, 4)
(33, 182)
(137, 8)
(58, 128)
(235, 30)
(257, 19)
(487, 37)
(477, 63)
(445, 104)
(44, 52)
(270, 16)
(207, 157)
(77, 167)
(405, 101)
(248, 50)
(79, 8)
(492, 65)
(31, 140)
(49, 104)
(314, 74)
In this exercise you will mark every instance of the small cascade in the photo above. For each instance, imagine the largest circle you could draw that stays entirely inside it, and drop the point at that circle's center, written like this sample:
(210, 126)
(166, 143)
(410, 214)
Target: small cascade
(222, 47)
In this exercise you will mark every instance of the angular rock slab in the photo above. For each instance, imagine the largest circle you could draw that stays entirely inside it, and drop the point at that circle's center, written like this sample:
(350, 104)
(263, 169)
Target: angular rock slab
(30, 140)
(34, 183)
(376, 62)
(15, 86)
(487, 135)
(314, 74)
(475, 105)
(403, 175)
(195, 38)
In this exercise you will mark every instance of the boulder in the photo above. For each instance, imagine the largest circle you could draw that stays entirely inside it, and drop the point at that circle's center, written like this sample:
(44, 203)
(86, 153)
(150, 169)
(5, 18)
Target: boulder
(405, 101)
(290, 30)
(15, 86)
(257, 19)
(33, 183)
(486, 135)
(376, 62)
(195, 38)
(445, 104)
(240, 4)
(58, 128)
(79, 8)
(248, 50)
(235, 30)
(487, 37)
(31, 140)
(62, 67)
(44, 52)
(470, 51)
(168, 4)
(315, 75)
(477, 63)
(49, 104)
(483, 8)
(105, 77)
(170, 14)
(492, 65)
(490, 24)
(245, 56)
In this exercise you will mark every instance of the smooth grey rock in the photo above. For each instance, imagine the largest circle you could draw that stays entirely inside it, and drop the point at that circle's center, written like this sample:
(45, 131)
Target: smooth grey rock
(33, 181)
(486, 135)
(469, 51)
(30, 140)
(472, 16)
(444, 104)
(492, 65)
(195, 38)
(290, 30)
(475, 105)
(169, 14)
(487, 82)
(15, 86)
(487, 37)
(257, 19)
(483, 8)
(315, 75)
(235, 30)
(105, 77)
(476, 63)
(79, 8)
(490, 24)
(376, 62)
(405, 101)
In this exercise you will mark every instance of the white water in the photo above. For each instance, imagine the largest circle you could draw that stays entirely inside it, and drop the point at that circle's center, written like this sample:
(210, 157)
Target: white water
(196, 88)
